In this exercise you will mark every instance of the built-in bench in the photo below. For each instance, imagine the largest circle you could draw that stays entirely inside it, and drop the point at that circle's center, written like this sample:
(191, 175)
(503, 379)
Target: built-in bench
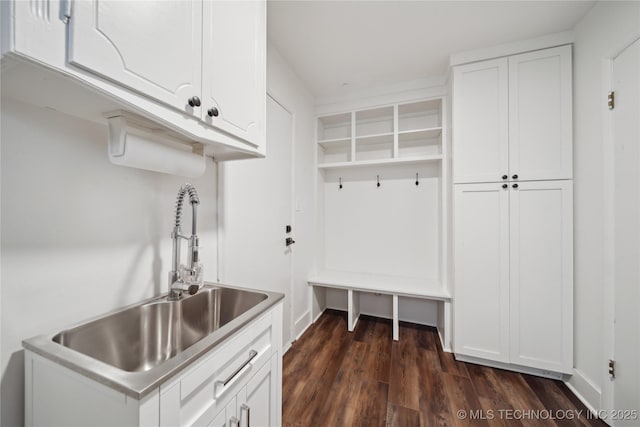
(395, 286)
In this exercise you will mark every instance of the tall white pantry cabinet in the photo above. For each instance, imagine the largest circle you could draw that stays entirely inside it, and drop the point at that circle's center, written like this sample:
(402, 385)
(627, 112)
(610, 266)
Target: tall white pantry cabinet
(513, 211)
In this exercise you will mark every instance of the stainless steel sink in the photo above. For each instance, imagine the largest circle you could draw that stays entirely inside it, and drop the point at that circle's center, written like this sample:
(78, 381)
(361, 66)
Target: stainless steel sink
(137, 348)
(141, 337)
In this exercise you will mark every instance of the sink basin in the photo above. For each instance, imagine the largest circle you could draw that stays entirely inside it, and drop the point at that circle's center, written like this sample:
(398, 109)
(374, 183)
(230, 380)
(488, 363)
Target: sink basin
(137, 348)
(143, 336)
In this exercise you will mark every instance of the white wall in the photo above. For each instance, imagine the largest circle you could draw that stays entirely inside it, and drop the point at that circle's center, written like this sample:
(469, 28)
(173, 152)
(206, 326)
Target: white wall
(606, 29)
(80, 236)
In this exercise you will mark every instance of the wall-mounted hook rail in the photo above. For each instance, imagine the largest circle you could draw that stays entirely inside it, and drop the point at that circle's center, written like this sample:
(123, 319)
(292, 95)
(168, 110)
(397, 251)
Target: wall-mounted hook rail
(417, 181)
(378, 184)
(340, 180)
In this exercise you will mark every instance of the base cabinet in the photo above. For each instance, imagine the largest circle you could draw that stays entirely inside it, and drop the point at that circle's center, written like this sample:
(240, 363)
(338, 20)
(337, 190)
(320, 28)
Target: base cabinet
(513, 298)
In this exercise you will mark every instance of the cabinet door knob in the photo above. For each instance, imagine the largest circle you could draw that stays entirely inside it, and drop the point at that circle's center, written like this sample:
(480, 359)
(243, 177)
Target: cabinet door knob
(213, 112)
(515, 185)
(194, 101)
(504, 177)
(515, 176)
(504, 186)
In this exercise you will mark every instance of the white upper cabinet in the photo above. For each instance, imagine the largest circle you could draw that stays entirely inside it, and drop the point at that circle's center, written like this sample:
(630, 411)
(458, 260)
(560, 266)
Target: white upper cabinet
(540, 125)
(233, 78)
(512, 118)
(194, 67)
(480, 120)
(154, 48)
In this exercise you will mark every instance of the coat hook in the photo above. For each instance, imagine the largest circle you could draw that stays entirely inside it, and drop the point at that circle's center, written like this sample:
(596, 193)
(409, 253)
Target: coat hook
(340, 186)
(417, 182)
(378, 185)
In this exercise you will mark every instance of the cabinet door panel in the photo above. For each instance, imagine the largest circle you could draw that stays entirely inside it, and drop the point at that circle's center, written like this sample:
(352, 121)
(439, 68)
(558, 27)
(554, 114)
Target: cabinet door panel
(480, 120)
(151, 47)
(540, 118)
(259, 397)
(542, 275)
(481, 289)
(234, 64)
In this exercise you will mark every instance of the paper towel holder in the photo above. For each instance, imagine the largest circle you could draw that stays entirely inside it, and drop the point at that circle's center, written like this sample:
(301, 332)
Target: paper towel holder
(141, 143)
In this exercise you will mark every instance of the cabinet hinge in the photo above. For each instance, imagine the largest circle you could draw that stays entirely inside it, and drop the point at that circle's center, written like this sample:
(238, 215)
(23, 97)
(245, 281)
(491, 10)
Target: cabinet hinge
(65, 11)
(611, 100)
(612, 368)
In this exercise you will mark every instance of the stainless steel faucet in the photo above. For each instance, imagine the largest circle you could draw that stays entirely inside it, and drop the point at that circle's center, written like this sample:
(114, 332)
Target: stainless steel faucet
(185, 278)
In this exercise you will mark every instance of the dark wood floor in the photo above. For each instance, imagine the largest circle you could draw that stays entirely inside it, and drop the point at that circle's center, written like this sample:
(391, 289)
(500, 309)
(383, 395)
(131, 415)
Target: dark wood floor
(336, 378)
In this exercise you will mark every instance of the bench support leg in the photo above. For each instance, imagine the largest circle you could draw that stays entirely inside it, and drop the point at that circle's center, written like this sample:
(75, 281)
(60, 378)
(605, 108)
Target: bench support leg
(396, 321)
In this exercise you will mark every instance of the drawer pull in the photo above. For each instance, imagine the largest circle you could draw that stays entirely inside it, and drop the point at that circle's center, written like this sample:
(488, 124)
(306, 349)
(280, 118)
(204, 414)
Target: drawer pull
(252, 354)
(234, 422)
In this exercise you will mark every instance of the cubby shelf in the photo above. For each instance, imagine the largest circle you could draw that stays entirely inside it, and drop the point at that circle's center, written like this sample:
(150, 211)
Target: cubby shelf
(328, 143)
(430, 133)
(397, 161)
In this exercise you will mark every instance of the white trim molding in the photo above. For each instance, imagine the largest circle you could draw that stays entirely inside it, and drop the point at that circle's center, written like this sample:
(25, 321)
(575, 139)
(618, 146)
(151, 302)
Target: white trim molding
(544, 42)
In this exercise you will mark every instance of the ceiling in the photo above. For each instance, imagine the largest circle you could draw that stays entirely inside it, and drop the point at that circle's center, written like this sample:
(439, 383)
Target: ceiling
(377, 43)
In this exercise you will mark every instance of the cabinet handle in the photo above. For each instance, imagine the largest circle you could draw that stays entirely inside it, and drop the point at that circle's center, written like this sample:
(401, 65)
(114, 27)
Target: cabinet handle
(194, 101)
(505, 176)
(515, 176)
(213, 112)
(252, 354)
(234, 422)
(245, 407)
(515, 185)
(505, 186)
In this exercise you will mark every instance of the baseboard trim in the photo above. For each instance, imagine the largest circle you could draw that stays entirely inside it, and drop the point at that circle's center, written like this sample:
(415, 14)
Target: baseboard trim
(320, 314)
(286, 347)
(511, 367)
(587, 392)
(302, 324)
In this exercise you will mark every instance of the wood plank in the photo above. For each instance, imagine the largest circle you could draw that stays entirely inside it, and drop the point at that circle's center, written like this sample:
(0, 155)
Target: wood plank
(379, 362)
(553, 399)
(521, 397)
(399, 416)
(306, 395)
(340, 409)
(491, 394)
(428, 338)
(404, 389)
(371, 404)
(434, 402)
(364, 328)
(463, 400)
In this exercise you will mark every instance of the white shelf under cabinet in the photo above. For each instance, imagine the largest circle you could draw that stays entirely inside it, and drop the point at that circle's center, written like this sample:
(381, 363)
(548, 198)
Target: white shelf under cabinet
(329, 143)
(397, 161)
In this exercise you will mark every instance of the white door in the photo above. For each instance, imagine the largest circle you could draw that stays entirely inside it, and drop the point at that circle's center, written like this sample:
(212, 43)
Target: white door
(480, 122)
(481, 242)
(626, 135)
(154, 48)
(256, 205)
(540, 120)
(234, 64)
(541, 274)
